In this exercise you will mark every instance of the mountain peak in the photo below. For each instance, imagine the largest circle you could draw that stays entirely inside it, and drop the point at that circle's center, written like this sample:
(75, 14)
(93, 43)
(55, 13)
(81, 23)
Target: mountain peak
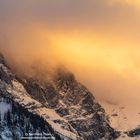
(67, 106)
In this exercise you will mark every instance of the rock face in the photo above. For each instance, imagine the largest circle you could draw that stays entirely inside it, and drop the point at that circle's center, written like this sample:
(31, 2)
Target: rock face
(68, 108)
(134, 133)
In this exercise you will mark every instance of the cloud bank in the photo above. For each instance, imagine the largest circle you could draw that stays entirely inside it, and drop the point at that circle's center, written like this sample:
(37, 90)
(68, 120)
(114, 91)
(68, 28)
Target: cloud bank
(98, 40)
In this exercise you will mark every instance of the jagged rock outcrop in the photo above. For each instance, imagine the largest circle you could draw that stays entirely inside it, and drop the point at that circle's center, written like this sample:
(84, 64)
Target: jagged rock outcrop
(134, 133)
(65, 104)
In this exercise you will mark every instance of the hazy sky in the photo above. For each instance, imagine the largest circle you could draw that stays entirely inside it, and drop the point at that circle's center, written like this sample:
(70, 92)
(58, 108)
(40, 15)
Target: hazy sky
(97, 39)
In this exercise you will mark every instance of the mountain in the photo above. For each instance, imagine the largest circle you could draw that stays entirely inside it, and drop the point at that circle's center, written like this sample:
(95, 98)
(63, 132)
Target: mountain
(60, 108)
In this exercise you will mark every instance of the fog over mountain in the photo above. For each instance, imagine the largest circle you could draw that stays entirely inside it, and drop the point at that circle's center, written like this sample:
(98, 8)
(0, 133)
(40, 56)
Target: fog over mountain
(97, 40)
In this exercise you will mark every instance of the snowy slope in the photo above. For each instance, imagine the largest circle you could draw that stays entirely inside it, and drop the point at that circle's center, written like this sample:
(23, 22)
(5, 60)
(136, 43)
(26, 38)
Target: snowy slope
(4, 107)
(123, 118)
(19, 95)
(17, 122)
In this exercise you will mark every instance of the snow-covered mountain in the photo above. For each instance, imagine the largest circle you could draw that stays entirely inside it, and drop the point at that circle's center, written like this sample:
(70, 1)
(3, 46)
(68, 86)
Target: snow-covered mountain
(60, 108)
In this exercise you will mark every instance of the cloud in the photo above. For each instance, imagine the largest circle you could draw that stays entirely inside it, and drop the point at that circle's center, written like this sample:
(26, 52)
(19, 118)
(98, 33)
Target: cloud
(65, 12)
(135, 3)
(96, 39)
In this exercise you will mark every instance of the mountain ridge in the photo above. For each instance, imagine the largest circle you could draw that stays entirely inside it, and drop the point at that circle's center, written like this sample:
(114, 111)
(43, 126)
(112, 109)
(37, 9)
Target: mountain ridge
(64, 103)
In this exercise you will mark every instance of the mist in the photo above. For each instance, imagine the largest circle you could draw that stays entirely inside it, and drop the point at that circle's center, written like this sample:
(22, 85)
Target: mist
(99, 45)
(111, 74)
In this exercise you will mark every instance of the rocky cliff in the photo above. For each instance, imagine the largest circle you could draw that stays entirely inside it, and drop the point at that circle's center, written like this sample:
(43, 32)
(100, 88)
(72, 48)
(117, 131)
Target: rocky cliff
(67, 109)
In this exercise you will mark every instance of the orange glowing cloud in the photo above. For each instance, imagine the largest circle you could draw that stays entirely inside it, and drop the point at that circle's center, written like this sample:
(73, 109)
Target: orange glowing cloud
(135, 3)
(97, 41)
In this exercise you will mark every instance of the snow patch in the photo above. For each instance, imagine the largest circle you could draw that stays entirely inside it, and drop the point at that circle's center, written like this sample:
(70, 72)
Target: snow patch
(4, 108)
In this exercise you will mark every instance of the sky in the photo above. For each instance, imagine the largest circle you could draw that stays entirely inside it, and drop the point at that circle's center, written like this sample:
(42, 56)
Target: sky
(98, 40)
